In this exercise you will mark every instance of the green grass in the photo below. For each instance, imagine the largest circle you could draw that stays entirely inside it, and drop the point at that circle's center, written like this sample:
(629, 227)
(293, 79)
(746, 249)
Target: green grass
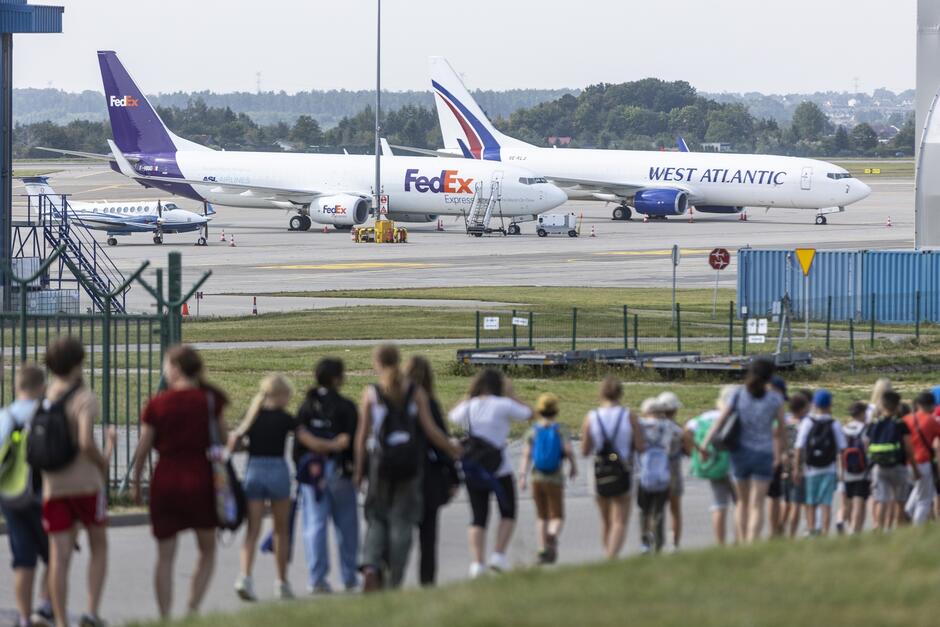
(861, 580)
(542, 298)
(892, 168)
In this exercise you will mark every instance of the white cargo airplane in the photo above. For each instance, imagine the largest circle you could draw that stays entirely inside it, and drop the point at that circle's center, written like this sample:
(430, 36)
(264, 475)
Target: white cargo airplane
(656, 184)
(328, 189)
(124, 217)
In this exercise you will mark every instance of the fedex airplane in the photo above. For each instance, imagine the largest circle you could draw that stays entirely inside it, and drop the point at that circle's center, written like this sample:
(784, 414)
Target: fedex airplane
(655, 184)
(327, 189)
(127, 216)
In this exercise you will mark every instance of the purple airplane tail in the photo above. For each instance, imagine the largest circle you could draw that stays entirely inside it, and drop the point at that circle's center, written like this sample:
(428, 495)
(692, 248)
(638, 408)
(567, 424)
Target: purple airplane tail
(134, 123)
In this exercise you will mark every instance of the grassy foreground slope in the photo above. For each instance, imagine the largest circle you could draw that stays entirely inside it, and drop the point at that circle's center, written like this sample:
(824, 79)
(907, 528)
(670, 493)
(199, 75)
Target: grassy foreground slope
(867, 580)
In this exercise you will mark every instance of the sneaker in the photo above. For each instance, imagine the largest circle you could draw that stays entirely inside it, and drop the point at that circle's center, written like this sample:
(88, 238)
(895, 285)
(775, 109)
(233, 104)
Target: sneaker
(551, 549)
(90, 620)
(477, 570)
(645, 549)
(42, 616)
(245, 589)
(371, 580)
(498, 563)
(283, 591)
(321, 588)
(840, 527)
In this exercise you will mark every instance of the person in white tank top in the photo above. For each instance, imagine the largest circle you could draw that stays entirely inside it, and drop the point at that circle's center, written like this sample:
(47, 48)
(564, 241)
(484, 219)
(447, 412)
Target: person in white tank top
(617, 424)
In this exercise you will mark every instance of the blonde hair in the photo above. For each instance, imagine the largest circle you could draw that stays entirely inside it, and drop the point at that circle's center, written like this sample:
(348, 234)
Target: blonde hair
(725, 396)
(881, 386)
(272, 386)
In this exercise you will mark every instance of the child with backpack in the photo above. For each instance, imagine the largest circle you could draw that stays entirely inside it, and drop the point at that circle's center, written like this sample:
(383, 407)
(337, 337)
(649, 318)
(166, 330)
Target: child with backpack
(663, 439)
(855, 471)
(20, 498)
(794, 494)
(546, 448)
(715, 466)
(890, 450)
(819, 444)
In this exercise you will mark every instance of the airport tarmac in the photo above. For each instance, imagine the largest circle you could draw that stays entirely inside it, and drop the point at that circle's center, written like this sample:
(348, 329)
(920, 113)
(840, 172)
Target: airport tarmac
(268, 258)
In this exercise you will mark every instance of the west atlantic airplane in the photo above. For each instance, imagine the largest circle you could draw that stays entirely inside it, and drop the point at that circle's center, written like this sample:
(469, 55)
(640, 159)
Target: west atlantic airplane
(328, 189)
(125, 217)
(656, 184)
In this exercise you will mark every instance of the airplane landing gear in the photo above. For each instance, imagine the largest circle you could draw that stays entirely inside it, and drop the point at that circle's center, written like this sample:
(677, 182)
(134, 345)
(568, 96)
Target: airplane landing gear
(300, 222)
(202, 241)
(157, 239)
(112, 241)
(622, 212)
(513, 229)
(821, 220)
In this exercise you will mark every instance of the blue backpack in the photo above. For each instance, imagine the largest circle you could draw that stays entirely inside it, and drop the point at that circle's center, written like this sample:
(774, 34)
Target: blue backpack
(547, 449)
(654, 465)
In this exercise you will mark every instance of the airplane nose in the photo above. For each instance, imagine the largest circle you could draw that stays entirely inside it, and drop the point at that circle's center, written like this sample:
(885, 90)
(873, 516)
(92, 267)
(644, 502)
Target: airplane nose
(554, 196)
(863, 191)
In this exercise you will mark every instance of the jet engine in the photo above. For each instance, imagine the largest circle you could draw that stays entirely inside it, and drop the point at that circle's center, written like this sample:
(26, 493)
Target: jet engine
(661, 202)
(340, 210)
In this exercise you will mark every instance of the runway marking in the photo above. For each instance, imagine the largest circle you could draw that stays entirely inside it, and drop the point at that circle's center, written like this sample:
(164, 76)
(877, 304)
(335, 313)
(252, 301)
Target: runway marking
(100, 189)
(358, 265)
(655, 253)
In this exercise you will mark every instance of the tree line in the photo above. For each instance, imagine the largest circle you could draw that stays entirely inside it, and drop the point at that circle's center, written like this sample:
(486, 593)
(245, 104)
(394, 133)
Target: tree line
(641, 115)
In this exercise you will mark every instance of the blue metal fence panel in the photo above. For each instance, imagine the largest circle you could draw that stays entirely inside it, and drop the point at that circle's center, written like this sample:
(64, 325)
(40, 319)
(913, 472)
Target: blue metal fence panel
(19, 17)
(853, 281)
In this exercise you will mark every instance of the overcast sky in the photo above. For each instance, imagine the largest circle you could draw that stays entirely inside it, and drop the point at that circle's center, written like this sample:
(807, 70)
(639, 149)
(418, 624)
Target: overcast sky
(716, 45)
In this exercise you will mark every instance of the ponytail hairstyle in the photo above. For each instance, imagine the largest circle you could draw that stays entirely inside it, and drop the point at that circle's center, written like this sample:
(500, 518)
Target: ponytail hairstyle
(419, 371)
(189, 362)
(488, 381)
(388, 360)
(272, 386)
(758, 376)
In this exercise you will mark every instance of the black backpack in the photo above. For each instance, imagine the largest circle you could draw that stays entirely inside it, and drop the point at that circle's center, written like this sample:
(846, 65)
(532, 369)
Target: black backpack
(821, 447)
(50, 445)
(611, 477)
(399, 453)
(885, 443)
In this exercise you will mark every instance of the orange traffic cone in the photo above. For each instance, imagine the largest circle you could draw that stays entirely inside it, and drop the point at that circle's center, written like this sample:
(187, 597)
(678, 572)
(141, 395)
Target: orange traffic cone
(254, 305)
(888, 223)
(593, 232)
(185, 309)
(326, 229)
(222, 236)
(231, 242)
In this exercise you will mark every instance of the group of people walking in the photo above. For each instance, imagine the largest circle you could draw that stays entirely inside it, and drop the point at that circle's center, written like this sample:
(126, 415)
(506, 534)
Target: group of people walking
(759, 444)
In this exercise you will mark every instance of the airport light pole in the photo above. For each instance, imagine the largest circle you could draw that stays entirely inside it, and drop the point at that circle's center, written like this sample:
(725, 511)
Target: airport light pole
(378, 110)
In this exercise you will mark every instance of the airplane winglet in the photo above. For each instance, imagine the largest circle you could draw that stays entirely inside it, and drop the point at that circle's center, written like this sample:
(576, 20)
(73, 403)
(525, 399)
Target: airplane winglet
(386, 149)
(123, 164)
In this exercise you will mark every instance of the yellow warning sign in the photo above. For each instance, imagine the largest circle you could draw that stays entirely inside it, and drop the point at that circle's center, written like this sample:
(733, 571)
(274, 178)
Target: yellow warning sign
(806, 256)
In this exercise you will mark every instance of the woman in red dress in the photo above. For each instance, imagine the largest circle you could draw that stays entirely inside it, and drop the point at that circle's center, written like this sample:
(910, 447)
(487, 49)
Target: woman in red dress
(176, 424)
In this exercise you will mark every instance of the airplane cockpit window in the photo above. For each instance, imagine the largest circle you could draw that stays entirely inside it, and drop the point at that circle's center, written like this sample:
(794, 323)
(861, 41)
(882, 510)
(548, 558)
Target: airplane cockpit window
(838, 176)
(169, 206)
(535, 180)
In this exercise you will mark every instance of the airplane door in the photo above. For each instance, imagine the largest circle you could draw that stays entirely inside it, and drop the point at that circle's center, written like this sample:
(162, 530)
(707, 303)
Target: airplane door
(806, 180)
(497, 184)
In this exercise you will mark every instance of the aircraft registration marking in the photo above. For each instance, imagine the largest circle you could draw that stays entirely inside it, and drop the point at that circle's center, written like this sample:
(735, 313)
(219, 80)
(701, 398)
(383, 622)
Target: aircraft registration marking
(358, 265)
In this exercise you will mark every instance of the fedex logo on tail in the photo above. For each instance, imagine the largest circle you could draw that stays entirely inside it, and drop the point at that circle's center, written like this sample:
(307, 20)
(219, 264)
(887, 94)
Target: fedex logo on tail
(126, 101)
(448, 182)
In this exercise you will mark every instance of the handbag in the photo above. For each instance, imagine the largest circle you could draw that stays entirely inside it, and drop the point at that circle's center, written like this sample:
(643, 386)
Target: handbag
(230, 501)
(728, 437)
(480, 454)
(611, 477)
(933, 459)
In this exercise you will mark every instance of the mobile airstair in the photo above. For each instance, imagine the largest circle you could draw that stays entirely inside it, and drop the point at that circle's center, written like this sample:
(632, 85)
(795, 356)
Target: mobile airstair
(47, 224)
(483, 207)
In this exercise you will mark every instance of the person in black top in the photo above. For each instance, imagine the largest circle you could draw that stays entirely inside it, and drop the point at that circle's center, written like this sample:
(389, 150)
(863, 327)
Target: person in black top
(440, 478)
(263, 433)
(329, 416)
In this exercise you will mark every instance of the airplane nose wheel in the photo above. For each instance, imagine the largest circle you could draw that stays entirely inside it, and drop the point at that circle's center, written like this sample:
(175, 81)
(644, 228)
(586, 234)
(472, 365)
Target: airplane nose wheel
(157, 239)
(202, 242)
(821, 220)
(112, 241)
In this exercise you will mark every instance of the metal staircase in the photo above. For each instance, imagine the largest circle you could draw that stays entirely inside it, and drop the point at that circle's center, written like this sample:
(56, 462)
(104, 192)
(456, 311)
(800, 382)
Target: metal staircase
(50, 223)
(482, 208)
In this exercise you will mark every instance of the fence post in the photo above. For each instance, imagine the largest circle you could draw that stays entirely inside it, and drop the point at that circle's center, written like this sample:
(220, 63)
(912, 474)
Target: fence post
(515, 334)
(106, 365)
(477, 330)
(744, 335)
(531, 324)
(871, 340)
(678, 329)
(174, 293)
(574, 328)
(636, 332)
(731, 327)
(22, 291)
(828, 320)
(917, 315)
(852, 341)
(626, 333)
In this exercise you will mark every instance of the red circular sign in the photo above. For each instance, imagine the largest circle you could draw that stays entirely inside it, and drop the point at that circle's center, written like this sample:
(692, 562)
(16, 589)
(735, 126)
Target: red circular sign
(719, 259)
